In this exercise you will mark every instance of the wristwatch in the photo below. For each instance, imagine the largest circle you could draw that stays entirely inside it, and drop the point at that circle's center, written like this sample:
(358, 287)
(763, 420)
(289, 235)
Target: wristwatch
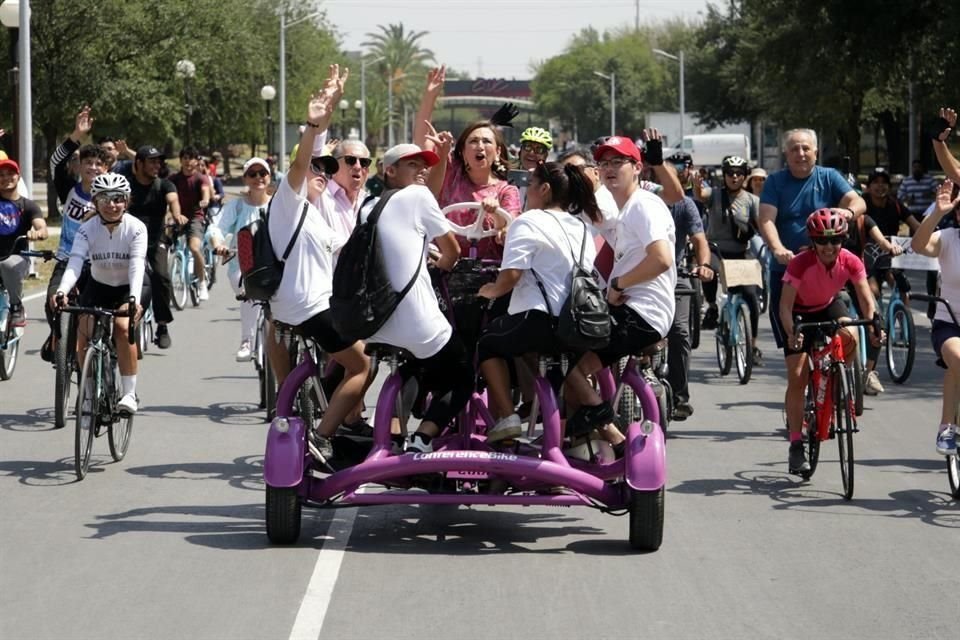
(615, 284)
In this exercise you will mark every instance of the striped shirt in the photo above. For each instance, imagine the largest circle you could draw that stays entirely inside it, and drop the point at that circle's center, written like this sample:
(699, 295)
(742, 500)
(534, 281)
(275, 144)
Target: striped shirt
(918, 194)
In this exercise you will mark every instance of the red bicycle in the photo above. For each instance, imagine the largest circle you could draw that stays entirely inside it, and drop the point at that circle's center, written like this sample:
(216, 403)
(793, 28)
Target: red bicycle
(829, 411)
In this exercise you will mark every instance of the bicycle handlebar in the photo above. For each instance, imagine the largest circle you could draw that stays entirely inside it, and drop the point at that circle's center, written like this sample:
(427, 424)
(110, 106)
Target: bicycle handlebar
(937, 299)
(46, 254)
(100, 312)
(799, 325)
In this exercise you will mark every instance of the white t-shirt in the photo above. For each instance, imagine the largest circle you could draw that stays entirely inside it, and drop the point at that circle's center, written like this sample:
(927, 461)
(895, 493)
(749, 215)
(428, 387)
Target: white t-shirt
(308, 274)
(117, 257)
(535, 242)
(610, 212)
(949, 273)
(645, 219)
(410, 218)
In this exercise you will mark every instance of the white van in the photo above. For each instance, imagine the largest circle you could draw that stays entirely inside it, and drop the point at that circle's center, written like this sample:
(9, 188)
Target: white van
(709, 149)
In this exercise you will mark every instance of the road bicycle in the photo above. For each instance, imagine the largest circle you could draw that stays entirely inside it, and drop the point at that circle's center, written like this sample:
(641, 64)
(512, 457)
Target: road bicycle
(860, 362)
(10, 336)
(734, 335)
(99, 390)
(829, 404)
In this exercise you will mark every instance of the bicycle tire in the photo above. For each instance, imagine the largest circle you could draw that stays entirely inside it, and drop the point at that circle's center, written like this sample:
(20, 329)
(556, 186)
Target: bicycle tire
(646, 519)
(211, 269)
(743, 350)
(628, 408)
(63, 361)
(120, 428)
(283, 513)
(724, 351)
(696, 304)
(270, 391)
(194, 293)
(859, 380)
(178, 282)
(901, 344)
(86, 418)
(953, 475)
(9, 354)
(813, 439)
(843, 430)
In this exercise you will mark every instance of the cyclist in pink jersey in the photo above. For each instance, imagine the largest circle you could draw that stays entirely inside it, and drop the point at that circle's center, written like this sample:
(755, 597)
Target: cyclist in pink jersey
(810, 286)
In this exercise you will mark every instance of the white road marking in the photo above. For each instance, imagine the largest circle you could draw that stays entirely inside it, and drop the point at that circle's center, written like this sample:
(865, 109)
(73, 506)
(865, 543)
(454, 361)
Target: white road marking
(316, 601)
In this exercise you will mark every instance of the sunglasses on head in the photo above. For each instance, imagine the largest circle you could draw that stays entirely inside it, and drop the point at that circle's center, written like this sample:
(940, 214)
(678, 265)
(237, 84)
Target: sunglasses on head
(352, 160)
(113, 198)
(834, 240)
(262, 173)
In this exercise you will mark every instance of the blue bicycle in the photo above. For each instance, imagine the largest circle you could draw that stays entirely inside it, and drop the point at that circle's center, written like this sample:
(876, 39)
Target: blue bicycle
(901, 344)
(10, 335)
(734, 335)
(183, 280)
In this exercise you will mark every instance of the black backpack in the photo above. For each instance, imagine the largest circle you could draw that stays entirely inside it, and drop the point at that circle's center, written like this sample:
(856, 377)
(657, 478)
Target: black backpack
(583, 323)
(260, 270)
(363, 299)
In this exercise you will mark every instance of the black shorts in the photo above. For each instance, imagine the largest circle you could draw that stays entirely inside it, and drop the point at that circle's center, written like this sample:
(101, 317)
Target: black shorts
(836, 310)
(320, 329)
(629, 335)
(940, 332)
(513, 335)
(97, 294)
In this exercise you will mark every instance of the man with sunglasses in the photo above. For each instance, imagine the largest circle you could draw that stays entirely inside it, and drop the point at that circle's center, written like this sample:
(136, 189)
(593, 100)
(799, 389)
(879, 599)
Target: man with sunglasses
(731, 219)
(788, 197)
(344, 194)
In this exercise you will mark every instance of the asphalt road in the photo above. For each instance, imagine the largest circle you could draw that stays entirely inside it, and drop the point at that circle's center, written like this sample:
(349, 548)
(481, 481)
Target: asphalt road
(171, 543)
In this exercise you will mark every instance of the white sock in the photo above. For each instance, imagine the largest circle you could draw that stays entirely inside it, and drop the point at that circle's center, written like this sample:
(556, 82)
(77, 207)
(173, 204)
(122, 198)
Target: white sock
(128, 384)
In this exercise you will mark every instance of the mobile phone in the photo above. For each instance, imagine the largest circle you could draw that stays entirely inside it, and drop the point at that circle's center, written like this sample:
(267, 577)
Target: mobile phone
(518, 177)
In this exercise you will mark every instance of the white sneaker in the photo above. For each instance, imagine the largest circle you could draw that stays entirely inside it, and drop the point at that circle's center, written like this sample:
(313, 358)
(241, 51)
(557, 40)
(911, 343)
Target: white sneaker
(417, 445)
(243, 353)
(128, 404)
(202, 293)
(872, 386)
(509, 427)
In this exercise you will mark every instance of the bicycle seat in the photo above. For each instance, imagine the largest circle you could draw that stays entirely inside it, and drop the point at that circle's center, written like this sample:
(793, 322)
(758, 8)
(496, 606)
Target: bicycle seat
(386, 351)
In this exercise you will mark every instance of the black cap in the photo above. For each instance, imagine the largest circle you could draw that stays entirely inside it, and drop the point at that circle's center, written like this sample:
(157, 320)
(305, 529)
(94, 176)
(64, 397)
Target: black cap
(148, 151)
(329, 164)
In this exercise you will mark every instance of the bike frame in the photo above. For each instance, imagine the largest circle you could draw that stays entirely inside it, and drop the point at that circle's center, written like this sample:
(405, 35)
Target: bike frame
(825, 363)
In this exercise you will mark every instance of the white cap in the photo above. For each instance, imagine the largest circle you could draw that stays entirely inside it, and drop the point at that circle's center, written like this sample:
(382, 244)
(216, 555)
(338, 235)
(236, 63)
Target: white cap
(252, 162)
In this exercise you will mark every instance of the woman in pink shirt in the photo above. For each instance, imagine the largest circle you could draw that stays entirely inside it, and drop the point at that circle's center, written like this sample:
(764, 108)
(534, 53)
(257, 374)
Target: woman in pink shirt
(475, 171)
(810, 286)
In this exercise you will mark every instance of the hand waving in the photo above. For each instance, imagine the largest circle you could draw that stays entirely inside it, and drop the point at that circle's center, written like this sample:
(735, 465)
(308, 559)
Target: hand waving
(83, 124)
(324, 101)
(505, 115)
(435, 79)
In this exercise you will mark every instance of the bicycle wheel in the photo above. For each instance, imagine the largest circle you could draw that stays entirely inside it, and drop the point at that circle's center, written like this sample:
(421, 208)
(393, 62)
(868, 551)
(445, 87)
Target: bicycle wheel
(9, 354)
(696, 302)
(63, 361)
(665, 405)
(118, 433)
(269, 390)
(646, 519)
(901, 344)
(194, 291)
(810, 424)
(858, 382)
(210, 267)
(283, 514)
(953, 474)
(724, 351)
(87, 411)
(178, 282)
(844, 426)
(744, 347)
(628, 408)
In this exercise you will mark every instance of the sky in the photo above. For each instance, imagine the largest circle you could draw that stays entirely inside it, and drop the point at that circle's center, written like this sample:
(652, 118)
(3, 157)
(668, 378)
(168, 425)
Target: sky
(497, 38)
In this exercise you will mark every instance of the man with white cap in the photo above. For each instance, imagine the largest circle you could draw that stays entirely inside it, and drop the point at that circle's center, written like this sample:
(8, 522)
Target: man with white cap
(412, 218)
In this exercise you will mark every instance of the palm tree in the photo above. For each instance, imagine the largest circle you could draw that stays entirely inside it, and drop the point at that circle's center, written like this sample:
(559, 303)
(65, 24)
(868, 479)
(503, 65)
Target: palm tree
(404, 60)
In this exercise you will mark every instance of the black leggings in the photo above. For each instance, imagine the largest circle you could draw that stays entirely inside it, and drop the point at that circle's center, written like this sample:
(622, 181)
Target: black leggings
(448, 376)
(751, 294)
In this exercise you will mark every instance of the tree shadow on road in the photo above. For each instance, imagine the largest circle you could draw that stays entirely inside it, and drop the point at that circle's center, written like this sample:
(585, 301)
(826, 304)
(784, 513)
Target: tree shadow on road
(245, 472)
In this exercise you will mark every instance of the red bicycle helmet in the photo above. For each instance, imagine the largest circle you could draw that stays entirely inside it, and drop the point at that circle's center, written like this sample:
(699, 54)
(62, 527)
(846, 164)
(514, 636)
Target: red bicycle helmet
(824, 223)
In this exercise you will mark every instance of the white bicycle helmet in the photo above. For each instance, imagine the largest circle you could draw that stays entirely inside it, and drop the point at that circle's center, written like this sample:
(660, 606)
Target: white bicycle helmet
(110, 183)
(734, 162)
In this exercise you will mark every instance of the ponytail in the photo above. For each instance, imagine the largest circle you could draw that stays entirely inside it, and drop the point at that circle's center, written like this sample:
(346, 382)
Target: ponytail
(581, 194)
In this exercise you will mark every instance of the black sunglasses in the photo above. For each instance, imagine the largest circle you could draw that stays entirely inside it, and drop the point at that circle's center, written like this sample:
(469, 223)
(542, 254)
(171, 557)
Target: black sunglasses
(742, 174)
(834, 240)
(262, 173)
(316, 165)
(352, 160)
(115, 198)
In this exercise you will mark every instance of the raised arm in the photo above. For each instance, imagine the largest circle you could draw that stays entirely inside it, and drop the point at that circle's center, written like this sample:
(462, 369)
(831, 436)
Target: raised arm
(926, 241)
(319, 112)
(950, 164)
(432, 91)
(666, 175)
(442, 143)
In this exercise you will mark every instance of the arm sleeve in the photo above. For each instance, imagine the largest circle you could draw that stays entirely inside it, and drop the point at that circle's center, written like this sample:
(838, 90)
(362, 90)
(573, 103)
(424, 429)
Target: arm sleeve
(769, 193)
(62, 181)
(857, 272)
(138, 261)
(523, 243)
(839, 187)
(510, 199)
(795, 269)
(227, 222)
(78, 253)
(434, 224)
(693, 222)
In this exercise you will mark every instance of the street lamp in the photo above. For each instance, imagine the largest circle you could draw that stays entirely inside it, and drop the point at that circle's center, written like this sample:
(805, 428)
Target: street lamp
(344, 105)
(284, 25)
(267, 94)
(186, 70)
(661, 52)
(390, 79)
(612, 77)
(363, 95)
(16, 15)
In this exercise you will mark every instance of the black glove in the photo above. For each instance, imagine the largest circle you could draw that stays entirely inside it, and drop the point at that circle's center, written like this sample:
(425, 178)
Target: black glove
(937, 128)
(653, 153)
(505, 115)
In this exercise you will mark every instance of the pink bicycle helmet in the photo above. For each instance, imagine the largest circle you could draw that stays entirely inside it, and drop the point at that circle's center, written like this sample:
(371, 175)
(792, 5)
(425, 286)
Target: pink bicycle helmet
(824, 223)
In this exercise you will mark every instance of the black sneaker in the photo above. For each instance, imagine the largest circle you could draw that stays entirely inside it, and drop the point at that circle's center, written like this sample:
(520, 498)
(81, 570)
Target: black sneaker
(18, 317)
(587, 418)
(681, 411)
(798, 459)
(47, 353)
(709, 319)
(757, 357)
(163, 337)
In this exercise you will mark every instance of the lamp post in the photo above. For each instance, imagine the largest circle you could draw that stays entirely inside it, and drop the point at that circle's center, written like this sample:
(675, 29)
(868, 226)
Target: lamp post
(187, 70)
(612, 77)
(344, 105)
(390, 79)
(267, 94)
(661, 52)
(363, 96)
(284, 25)
(16, 15)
